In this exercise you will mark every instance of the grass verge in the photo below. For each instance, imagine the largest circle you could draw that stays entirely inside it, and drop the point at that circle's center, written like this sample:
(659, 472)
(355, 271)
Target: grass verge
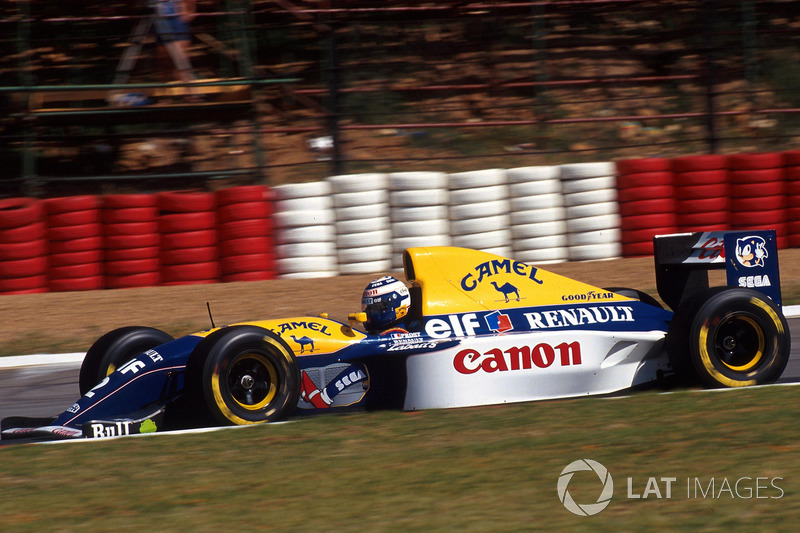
(478, 469)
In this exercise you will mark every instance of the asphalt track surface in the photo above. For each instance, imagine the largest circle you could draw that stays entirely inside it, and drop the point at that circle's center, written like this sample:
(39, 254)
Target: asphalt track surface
(48, 389)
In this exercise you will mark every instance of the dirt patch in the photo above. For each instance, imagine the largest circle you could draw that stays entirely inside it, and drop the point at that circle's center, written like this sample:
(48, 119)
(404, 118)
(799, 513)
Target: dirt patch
(71, 321)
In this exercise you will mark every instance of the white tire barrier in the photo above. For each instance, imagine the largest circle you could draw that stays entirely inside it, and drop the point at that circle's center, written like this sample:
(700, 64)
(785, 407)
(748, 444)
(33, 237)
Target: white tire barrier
(536, 203)
(602, 237)
(415, 181)
(353, 183)
(364, 254)
(479, 207)
(591, 205)
(366, 267)
(296, 265)
(534, 188)
(417, 228)
(361, 206)
(591, 210)
(361, 225)
(595, 252)
(362, 211)
(313, 203)
(352, 199)
(479, 195)
(364, 238)
(417, 198)
(588, 184)
(479, 225)
(484, 241)
(537, 229)
(401, 243)
(363, 222)
(303, 249)
(537, 214)
(542, 242)
(477, 179)
(590, 197)
(415, 214)
(418, 211)
(480, 210)
(303, 217)
(573, 171)
(310, 274)
(533, 174)
(305, 231)
(313, 189)
(601, 222)
(543, 255)
(319, 234)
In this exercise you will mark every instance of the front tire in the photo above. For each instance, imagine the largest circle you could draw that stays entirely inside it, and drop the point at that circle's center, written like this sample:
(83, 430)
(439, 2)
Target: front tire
(735, 337)
(114, 349)
(243, 375)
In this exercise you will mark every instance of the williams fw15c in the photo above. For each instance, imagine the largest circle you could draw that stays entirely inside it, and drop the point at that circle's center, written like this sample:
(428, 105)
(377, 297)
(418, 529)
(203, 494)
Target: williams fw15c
(475, 329)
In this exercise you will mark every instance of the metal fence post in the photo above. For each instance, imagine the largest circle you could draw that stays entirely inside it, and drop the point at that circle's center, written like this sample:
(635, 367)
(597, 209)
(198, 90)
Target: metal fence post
(708, 14)
(332, 118)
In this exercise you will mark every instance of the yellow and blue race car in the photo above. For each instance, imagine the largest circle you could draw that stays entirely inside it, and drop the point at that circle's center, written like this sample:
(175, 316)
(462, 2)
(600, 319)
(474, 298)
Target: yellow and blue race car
(473, 329)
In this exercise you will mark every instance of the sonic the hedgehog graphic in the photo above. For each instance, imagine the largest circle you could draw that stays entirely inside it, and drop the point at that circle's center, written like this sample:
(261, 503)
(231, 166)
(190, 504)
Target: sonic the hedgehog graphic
(751, 251)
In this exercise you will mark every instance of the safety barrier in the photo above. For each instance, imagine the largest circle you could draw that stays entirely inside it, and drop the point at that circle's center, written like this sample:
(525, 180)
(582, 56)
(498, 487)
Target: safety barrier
(360, 223)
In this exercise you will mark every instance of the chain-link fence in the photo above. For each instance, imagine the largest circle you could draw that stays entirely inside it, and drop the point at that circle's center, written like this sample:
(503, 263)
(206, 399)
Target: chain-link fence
(297, 90)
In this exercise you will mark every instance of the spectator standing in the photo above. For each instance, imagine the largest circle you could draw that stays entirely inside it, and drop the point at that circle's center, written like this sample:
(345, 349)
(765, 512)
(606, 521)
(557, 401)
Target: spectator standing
(172, 26)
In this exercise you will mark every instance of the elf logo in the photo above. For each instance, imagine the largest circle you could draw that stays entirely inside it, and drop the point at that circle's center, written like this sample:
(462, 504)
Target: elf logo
(458, 325)
(498, 322)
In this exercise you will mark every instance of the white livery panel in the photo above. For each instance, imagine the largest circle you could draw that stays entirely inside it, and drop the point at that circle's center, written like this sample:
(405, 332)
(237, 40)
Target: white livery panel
(519, 368)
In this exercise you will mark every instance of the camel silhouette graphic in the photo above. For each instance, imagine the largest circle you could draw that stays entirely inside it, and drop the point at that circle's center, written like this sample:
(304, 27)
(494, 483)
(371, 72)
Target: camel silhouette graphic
(303, 342)
(506, 289)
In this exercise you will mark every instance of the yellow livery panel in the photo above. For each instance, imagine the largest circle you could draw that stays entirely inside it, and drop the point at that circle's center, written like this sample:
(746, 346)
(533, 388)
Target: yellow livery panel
(456, 280)
(307, 335)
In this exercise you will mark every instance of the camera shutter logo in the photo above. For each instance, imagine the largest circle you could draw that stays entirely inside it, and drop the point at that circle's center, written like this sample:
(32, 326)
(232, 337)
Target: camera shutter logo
(587, 509)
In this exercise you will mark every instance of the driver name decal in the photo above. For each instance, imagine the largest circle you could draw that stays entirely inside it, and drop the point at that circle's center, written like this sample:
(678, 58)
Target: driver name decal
(542, 355)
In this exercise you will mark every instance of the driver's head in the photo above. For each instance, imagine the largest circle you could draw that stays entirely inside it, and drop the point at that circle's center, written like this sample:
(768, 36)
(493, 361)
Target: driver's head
(385, 301)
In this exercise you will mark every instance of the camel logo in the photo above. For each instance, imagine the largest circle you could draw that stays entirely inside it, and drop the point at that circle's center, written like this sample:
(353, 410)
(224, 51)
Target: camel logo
(500, 266)
(506, 290)
(303, 342)
(587, 509)
(751, 251)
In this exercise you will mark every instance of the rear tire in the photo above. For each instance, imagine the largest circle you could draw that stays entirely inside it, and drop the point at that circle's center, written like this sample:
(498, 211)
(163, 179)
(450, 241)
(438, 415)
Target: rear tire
(114, 349)
(729, 337)
(243, 375)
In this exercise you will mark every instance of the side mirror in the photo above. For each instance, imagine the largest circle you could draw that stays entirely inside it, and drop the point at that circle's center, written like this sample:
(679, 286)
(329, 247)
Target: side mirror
(357, 317)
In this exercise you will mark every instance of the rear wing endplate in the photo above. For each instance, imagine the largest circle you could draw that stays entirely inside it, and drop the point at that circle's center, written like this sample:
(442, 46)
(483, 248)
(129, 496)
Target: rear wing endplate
(682, 262)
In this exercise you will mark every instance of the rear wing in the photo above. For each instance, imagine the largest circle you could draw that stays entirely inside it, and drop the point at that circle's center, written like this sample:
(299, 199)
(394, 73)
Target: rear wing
(682, 262)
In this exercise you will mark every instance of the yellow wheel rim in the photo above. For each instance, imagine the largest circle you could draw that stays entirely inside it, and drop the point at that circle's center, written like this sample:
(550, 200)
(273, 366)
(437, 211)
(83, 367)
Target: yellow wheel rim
(252, 381)
(740, 343)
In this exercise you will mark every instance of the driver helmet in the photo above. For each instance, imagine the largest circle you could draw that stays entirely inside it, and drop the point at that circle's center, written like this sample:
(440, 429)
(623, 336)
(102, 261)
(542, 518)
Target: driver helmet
(385, 301)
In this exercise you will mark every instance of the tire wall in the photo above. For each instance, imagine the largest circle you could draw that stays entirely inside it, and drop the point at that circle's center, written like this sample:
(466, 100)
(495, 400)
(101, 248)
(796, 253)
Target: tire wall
(360, 223)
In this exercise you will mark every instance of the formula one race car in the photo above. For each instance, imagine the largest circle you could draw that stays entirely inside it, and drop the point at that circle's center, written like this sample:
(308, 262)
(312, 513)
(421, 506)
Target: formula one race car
(481, 329)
